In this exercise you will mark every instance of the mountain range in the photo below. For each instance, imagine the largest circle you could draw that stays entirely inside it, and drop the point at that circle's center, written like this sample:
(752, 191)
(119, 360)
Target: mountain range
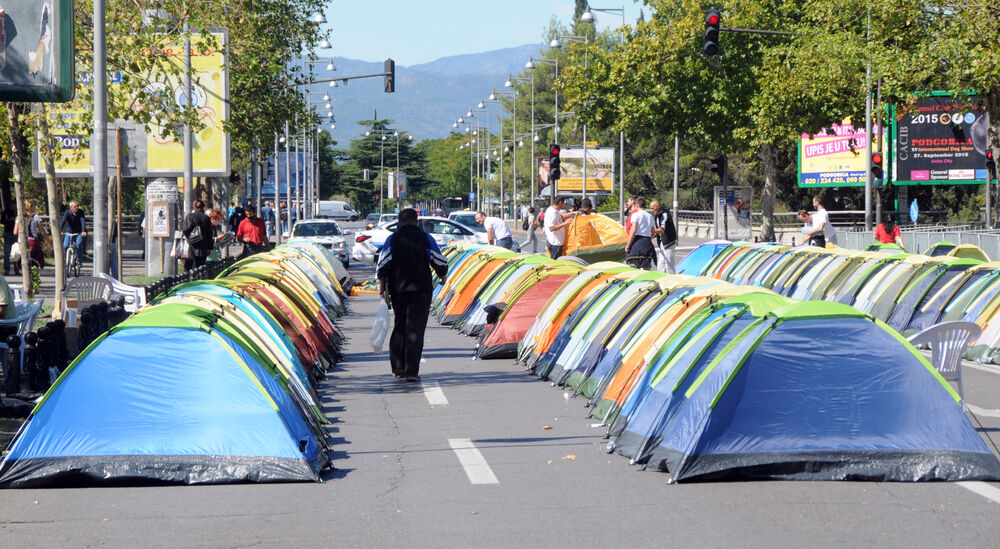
(429, 97)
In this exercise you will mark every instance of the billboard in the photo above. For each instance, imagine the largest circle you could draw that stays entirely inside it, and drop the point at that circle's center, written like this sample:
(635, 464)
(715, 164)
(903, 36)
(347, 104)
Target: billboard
(36, 51)
(836, 156)
(149, 153)
(600, 171)
(267, 185)
(940, 141)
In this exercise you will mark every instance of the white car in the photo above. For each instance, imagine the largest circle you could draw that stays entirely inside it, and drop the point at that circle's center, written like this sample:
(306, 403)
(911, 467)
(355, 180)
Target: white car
(468, 219)
(327, 233)
(368, 244)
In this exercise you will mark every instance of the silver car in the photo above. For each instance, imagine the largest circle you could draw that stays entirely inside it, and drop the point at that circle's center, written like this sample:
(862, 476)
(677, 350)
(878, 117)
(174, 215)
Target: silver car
(328, 234)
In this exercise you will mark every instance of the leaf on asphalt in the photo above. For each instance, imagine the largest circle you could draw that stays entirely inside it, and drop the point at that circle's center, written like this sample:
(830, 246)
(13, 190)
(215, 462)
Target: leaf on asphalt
(570, 457)
(547, 427)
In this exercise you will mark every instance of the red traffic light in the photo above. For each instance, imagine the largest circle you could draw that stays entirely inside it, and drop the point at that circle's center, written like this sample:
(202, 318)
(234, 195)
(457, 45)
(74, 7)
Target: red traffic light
(876, 158)
(554, 150)
(712, 19)
(989, 155)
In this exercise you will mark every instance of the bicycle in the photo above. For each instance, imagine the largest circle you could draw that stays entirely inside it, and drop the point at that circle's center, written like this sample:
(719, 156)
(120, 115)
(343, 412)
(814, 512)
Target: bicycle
(73, 262)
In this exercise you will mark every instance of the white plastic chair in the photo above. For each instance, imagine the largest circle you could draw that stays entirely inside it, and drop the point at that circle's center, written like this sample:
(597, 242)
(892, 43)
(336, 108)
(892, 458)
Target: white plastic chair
(135, 297)
(84, 291)
(948, 342)
(26, 315)
(18, 290)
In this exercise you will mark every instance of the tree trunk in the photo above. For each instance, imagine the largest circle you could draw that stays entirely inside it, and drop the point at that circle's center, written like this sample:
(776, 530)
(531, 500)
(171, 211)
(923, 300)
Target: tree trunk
(17, 158)
(54, 229)
(993, 109)
(766, 155)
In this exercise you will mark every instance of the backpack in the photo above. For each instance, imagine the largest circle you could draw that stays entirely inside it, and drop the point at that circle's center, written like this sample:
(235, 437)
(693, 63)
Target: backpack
(524, 224)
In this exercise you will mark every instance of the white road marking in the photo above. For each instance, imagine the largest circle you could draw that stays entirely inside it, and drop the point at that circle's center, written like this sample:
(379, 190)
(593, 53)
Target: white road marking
(991, 368)
(989, 492)
(472, 461)
(434, 394)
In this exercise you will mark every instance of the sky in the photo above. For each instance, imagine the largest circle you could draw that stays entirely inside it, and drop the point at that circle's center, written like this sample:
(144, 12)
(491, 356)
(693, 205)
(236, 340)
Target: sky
(415, 31)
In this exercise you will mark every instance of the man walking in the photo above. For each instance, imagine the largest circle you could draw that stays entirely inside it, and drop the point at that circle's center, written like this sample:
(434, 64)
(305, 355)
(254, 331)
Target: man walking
(404, 277)
(267, 212)
(664, 238)
(198, 231)
(556, 221)
(497, 232)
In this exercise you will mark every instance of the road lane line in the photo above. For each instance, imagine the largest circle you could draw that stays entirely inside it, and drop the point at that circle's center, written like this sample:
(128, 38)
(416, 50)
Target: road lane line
(434, 394)
(989, 492)
(472, 461)
(982, 411)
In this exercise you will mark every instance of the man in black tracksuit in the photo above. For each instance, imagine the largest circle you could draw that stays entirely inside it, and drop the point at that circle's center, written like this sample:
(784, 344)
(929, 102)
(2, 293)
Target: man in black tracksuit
(404, 274)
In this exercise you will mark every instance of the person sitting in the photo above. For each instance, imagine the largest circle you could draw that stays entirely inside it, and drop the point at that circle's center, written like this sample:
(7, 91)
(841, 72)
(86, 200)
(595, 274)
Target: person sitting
(887, 231)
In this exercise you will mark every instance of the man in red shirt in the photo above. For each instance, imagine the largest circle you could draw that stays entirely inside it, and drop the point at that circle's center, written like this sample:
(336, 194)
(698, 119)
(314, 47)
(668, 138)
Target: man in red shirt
(252, 233)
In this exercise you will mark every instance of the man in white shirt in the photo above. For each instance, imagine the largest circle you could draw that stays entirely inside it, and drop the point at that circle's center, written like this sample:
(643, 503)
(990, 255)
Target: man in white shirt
(822, 230)
(497, 232)
(556, 221)
(639, 251)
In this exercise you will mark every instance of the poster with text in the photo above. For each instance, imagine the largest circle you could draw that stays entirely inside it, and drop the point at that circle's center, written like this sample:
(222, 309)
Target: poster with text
(940, 141)
(836, 157)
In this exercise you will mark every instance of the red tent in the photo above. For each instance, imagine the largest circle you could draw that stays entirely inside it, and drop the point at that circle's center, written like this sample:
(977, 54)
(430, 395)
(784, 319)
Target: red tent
(502, 339)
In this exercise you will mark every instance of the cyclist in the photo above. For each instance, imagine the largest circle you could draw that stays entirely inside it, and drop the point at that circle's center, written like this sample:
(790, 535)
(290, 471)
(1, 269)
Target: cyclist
(74, 229)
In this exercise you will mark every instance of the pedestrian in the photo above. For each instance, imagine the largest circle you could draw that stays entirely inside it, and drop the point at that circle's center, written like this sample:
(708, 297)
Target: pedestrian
(497, 232)
(74, 229)
(821, 226)
(9, 220)
(639, 250)
(586, 207)
(267, 212)
(251, 233)
(197, 229)
(237, 217)
(556, 221)
(810, 239)
(284, 218)
(36, 233)
(404, 276)
(142, 232)
(627, 214)
(887, 231)
(533, 225)
(664, 238)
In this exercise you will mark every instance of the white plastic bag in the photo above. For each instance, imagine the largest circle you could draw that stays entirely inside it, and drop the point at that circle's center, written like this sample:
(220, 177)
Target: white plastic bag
(381, 327)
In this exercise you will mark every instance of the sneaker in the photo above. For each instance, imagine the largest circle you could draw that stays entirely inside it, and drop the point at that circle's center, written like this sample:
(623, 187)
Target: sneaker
(412, 378)
(394, 374)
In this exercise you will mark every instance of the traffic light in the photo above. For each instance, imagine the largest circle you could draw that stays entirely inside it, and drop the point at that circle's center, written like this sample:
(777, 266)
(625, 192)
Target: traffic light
(390, 76)
(877, 168)
(713, 18)
(719, 165)
(554, 171)
(991, 166)
(235, 178)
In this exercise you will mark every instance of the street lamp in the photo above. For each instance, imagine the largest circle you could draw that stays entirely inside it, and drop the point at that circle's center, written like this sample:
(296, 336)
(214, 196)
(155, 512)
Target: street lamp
(494, 97)
(557, 44)
(588, 17)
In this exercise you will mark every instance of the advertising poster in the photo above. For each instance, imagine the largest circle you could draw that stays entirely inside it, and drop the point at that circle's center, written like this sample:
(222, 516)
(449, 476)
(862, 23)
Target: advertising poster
(397, 185)
(160, 220)
(267, 185)
(836, 157)
(940, 142)
(600, 170)
(733, 219)
(151, 154)
(209, 94)
(36, 51)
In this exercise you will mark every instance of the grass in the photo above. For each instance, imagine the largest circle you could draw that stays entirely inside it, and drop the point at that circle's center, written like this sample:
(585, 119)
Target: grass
(142, 280)
(8, 427)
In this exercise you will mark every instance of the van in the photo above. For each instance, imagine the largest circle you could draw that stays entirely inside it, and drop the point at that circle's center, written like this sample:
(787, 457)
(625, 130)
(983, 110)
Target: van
(337, 209)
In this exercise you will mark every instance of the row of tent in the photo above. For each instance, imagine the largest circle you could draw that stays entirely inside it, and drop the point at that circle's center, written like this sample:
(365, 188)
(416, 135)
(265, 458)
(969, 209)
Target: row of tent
(213, 382)
(909, 292)
(711, 380)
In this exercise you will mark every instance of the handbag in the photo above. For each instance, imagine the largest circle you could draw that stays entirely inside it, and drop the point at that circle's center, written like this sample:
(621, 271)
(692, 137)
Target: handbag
(195, 237)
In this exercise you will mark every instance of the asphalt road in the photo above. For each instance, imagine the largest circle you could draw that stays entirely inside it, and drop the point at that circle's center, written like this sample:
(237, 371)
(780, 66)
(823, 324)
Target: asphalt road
(481, 454)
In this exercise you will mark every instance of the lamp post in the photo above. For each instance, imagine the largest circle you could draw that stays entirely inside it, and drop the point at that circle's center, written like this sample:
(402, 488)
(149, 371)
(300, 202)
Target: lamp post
(479, 147)
(530, 66)
(557, 44)
(531, 168)
(588, 17)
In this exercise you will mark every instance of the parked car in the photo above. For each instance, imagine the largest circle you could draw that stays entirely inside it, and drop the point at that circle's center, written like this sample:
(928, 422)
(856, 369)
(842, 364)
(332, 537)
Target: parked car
(328, 234)
(337, 209)
(371, 221)
(369, 243)
(468, 219)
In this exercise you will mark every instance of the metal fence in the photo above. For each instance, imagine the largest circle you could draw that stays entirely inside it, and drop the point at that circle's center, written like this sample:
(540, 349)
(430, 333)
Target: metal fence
(920, 239)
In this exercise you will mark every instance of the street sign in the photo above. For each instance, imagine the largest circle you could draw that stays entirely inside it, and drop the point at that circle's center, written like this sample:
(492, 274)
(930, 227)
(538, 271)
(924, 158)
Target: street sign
(36, 51)
(472, 197)
(914, 211)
